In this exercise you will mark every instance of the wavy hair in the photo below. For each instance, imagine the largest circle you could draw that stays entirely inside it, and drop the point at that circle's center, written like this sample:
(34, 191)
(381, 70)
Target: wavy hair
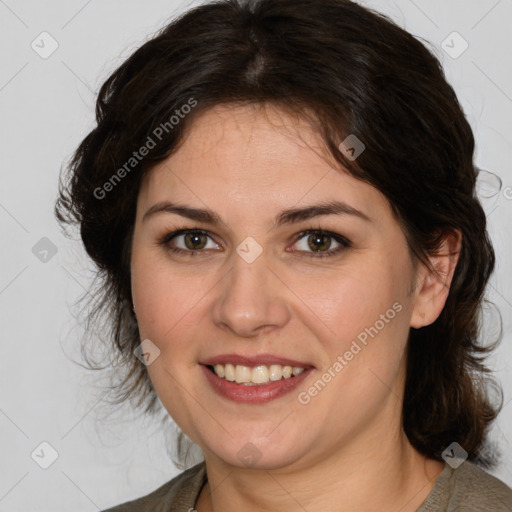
(347, 70)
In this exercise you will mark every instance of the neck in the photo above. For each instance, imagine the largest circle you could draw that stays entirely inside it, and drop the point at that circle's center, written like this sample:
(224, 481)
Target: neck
(388, 475)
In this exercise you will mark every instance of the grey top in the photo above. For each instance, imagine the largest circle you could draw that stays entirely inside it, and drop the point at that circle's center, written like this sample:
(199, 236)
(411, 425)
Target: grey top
(465, 489)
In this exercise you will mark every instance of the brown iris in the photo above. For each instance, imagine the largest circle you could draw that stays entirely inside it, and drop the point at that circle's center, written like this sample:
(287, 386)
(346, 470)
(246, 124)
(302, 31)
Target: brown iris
(195, 240)
(319, 242)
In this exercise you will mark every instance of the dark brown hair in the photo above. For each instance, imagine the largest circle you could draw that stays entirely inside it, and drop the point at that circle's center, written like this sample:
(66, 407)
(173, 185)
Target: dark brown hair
(359, 73)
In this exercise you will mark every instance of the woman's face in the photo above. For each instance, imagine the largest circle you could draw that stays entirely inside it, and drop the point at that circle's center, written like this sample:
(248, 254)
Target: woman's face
(253, 285)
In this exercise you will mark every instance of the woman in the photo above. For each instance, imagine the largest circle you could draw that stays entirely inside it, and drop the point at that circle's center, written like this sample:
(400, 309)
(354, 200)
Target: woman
(280, 198)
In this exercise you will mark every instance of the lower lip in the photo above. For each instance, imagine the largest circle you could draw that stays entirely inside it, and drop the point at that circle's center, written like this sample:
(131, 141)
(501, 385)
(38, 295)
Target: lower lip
(256, 394)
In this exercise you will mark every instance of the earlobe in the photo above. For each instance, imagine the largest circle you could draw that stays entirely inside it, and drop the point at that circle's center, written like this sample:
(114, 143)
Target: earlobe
(434, 285)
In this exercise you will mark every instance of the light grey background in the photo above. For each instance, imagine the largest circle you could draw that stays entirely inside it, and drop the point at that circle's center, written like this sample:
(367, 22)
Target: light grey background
(47, 107)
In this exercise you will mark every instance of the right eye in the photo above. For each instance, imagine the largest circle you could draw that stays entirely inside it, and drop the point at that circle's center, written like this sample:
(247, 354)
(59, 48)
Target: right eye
(189, 241)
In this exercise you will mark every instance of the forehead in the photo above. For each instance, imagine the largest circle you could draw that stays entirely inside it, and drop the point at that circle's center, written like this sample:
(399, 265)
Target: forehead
(255, 157)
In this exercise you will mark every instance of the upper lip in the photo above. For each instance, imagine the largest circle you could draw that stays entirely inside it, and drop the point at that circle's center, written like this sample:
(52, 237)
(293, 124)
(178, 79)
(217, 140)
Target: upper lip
(251, 361)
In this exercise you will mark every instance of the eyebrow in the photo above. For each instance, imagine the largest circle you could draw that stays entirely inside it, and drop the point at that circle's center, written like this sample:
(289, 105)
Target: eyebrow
(288, 216)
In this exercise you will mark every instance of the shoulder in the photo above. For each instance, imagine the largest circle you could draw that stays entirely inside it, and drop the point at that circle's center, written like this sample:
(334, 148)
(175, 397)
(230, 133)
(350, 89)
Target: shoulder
(468, 488)
(180, 493)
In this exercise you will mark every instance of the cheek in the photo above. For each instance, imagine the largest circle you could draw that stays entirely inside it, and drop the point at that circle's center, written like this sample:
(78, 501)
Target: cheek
(366, 316)
(361, 314)
(158, 296)
(348, 301)
(165, 314)
(159, 293)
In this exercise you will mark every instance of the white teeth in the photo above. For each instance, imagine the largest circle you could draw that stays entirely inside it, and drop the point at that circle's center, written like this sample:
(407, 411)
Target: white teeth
(229, 371)
(276, 372)
(242, 374)
(260, 374)
(219, 370)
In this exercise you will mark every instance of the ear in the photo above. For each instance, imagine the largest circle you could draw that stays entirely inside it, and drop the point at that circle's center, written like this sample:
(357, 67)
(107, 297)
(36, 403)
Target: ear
(432, 288)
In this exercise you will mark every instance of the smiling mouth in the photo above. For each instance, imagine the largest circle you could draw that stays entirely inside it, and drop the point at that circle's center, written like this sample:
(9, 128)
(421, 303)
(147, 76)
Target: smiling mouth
(258, 375)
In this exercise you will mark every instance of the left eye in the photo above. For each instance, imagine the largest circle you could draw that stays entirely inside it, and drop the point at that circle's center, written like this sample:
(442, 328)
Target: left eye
(320, 242)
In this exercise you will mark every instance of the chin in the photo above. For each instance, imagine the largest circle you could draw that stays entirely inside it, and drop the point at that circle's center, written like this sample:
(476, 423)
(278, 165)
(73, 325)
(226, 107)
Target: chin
(264, 455)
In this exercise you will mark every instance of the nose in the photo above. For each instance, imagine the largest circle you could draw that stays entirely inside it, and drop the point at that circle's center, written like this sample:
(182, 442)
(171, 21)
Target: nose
(251, 299)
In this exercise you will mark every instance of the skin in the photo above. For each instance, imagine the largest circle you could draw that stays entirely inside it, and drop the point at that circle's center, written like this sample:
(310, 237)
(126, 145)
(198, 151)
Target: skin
(345, 450)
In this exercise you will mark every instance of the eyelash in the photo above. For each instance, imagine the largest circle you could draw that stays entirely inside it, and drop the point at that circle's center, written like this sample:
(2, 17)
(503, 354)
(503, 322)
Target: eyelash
(344, 242)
